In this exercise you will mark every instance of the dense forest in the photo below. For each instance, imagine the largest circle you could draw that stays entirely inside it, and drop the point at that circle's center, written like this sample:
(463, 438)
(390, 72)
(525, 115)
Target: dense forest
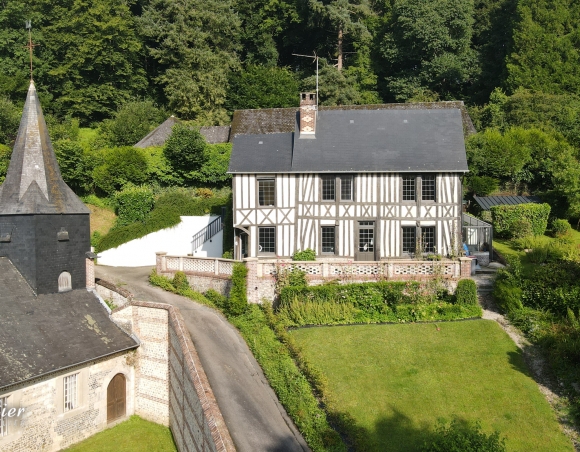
(121, 66)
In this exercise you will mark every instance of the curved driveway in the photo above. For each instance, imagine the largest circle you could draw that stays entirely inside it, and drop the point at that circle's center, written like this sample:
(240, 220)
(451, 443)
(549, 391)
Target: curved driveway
(256, 420)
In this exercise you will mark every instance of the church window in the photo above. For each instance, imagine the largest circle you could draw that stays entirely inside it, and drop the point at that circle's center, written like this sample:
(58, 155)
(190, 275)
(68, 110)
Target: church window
(64, 282)
(70, 392)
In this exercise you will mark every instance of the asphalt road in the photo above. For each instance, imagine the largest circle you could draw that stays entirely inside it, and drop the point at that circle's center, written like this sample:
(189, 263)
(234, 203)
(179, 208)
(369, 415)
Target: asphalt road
(256, 420)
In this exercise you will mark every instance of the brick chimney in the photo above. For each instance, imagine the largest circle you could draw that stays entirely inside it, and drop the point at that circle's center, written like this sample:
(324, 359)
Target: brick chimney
(307, 114)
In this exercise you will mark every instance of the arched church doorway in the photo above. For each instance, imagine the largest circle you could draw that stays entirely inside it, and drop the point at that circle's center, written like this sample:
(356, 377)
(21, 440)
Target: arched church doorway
(116, 398)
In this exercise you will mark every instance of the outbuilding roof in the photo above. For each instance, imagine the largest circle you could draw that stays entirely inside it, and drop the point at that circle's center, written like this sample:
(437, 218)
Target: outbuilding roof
(485, 202)
(46, 333)
(360, 140)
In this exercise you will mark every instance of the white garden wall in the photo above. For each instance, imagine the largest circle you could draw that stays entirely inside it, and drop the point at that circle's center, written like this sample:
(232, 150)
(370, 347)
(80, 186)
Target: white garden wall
(175, 241)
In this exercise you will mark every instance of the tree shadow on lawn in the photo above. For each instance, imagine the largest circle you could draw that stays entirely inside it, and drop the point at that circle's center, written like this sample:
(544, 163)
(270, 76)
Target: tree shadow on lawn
(396, 433)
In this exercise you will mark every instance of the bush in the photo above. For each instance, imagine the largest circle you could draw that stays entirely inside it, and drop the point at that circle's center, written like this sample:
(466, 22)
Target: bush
(561, 228)
(238, 302)
(132, 122)
(507, 295)
(5, 154)
(215, 166)
(510, 220)
(185, 150)
(463, 436)
(466, 292)
(180, 281)
(216, 298)
(305, 255)
(290, 276)
(120, 166)
(133, 204)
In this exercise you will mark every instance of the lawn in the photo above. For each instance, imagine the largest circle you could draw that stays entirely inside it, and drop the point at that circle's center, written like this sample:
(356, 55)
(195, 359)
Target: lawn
(396, 381)
(133, 435)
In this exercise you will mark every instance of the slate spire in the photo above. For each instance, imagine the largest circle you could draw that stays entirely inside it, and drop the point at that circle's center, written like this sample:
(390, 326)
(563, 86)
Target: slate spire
(33, 182)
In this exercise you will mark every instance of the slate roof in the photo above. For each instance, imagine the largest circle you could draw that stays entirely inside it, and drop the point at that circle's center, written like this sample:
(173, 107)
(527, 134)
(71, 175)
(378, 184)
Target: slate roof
(485, 202)
(280, 120)
(360, 140)
(45, 333)
(33, 183)
(216, 134)
(159, 135)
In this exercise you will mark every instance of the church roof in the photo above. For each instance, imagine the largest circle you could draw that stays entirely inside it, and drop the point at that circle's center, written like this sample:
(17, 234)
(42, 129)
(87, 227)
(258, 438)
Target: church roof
(33, 183)
(40, 334)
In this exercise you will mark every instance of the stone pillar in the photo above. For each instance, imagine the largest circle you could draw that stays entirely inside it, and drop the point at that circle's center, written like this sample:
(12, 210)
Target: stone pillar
(160, 263)
(252, 281)
(465, 267)
(90, 263)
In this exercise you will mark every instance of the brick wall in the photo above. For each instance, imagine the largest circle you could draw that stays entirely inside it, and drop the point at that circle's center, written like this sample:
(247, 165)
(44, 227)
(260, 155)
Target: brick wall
(108, 291)
(170, 384)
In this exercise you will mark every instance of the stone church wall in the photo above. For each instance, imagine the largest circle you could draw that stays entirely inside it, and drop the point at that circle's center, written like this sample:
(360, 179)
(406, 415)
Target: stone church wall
(171, 387)
(44, 426)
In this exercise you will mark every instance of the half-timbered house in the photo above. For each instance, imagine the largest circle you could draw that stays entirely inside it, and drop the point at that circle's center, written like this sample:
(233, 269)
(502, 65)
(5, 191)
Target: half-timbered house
(355, 183)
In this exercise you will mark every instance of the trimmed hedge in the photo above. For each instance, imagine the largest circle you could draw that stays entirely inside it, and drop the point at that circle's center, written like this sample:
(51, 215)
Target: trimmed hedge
(305, 255)
(133, 204)
(466, 292)
(168, 208)
(509, 221)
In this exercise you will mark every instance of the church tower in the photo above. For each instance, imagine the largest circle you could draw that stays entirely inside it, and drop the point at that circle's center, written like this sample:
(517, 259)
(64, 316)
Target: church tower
(44, 226)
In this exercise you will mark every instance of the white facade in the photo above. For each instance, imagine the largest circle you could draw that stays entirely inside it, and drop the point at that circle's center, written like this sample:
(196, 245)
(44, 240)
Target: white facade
(371, 225)
(175, 241)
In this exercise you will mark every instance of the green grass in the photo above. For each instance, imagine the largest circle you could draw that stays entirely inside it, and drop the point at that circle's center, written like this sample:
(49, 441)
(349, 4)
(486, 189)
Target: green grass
(395, 381)
(133, 435)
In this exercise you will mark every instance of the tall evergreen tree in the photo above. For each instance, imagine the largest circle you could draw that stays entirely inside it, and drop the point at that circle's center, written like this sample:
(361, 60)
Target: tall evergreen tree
(95, 63)
(195, 45)
(427, 45)
(546, 53)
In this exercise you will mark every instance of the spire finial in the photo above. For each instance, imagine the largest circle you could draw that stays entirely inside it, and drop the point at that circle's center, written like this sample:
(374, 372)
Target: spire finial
(30, 46)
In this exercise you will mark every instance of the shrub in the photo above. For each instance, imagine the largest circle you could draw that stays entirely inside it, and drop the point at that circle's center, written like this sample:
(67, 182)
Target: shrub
(305, 255)
(292, 276)
(510, 220)
(216, 298)
(465, 437)
(466, 292)
(204, 192)
(5, 154)
(185, 150)
(180, 281)
(120, 166)
(133, 204)
(215, 166)
(508, 295)
(538, 255)
(238, 302)
(561, 228)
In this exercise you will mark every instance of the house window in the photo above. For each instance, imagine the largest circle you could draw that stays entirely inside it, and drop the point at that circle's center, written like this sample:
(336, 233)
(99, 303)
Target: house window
(266, 192)
(428, 188)
(266, 240)
(64, 282)
(408, 188)
(346, 183)
(70, 392)
(409, 239)
(328, 188)
(3, 416)
(428, 239)
(328, 239)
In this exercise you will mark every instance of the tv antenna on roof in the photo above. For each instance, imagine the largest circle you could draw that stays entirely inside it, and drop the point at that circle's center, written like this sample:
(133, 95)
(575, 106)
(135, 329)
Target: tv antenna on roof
(30, 46)
(315, 57)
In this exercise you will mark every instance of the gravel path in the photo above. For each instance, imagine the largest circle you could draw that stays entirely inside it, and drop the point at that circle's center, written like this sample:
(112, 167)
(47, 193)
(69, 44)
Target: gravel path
(532, 356)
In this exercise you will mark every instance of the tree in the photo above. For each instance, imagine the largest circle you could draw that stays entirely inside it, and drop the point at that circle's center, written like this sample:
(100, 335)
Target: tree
(96, 58)
(119, 167)
(74, 166)
(195, 46)
(9, 120)
(262, 87)
(131, 123)
(5, 154)
(185, 150)
(427, 45)
(335, 87)
(546, 52)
